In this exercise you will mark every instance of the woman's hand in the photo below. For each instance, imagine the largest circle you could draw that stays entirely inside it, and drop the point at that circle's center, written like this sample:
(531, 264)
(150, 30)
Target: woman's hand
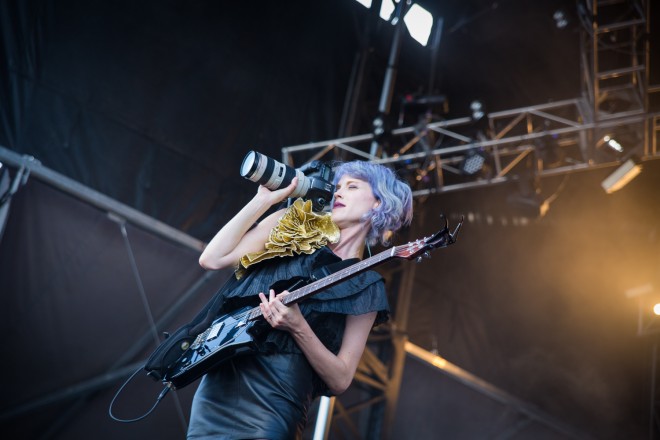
(278, 315)
(272, 197)
(336, 370)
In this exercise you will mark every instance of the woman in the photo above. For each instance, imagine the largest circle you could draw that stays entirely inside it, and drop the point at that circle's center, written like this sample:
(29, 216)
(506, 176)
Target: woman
(305, 349)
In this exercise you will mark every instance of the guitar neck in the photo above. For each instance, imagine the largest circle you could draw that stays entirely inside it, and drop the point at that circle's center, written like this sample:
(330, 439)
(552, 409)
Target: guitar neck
(329, 281)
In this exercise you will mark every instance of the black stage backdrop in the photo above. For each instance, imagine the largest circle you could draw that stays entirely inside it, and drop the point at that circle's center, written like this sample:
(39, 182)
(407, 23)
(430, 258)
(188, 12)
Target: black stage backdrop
(155, 104)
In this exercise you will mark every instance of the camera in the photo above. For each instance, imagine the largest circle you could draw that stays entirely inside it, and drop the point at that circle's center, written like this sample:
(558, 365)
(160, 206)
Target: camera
(314, 179)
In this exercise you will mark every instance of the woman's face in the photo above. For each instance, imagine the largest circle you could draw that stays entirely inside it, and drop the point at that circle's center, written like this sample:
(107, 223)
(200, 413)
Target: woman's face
(353, 199)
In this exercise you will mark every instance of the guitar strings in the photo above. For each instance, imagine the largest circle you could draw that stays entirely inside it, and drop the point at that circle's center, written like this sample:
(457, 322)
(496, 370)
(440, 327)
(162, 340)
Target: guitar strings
(252, 313)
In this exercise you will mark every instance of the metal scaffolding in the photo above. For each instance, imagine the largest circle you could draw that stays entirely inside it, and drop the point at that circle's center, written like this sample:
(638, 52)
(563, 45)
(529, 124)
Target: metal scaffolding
(562, 137)
(531, 142)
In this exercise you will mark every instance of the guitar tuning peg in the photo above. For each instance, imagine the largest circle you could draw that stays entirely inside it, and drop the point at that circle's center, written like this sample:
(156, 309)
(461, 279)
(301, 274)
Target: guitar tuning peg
(419, 259)
(427, 254)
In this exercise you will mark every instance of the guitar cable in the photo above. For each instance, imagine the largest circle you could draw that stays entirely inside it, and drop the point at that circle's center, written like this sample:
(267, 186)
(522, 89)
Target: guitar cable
(152, 325)
(162, 394)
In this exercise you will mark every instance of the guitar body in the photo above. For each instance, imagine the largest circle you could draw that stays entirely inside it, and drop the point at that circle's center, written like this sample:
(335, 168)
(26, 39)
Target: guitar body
(228, 336)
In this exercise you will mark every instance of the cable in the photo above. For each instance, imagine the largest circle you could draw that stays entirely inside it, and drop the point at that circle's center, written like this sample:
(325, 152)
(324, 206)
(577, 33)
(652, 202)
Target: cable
(138, 281)
(147, 309)
(162, 394)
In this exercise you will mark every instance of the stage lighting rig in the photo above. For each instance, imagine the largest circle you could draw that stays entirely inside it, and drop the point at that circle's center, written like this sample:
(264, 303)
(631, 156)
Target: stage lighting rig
(473, 162)
(648, 303)
(561, 21)
(617, 144)
(622, 175)
(418, 20)
(477, 109)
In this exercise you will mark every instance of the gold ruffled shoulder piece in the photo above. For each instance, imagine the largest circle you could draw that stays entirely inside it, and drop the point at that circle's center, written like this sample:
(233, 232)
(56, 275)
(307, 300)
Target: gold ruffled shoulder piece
(299, 230)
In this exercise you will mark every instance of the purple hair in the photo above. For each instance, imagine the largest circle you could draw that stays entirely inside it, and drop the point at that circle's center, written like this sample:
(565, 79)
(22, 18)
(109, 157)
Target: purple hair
(395, 196)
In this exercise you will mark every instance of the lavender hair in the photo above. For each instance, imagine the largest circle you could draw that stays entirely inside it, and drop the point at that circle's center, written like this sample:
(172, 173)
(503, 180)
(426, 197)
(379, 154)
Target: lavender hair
(395, 196)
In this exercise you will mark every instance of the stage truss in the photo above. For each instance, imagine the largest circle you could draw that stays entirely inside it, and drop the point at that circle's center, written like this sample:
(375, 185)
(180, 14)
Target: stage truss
(558, 138)
(535, 142)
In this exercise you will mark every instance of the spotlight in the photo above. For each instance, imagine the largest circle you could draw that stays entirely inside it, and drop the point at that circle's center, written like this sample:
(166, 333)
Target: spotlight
(477, 110)
(386, 10)
(419, 22)
(648, 304)
(560, 19)
(619, 143)
(611, 145)
(656, 309)
(622, 175)
(379, 126)
(473, 162)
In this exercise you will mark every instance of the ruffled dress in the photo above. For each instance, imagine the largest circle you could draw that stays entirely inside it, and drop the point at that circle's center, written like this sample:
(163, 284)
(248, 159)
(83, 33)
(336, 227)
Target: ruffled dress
(267, 394)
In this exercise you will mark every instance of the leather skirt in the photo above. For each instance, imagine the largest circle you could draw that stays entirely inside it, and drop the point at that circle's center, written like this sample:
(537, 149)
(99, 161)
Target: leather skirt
(256, 396)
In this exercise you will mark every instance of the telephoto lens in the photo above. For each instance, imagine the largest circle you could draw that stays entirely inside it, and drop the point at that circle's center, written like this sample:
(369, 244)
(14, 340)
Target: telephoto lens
(314, 179)
(272, 174)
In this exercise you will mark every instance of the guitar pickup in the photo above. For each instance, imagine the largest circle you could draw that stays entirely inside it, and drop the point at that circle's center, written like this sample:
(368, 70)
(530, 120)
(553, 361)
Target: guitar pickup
(215, 331)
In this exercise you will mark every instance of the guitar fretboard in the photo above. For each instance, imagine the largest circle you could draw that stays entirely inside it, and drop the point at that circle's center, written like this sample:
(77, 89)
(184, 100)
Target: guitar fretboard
(332, 279)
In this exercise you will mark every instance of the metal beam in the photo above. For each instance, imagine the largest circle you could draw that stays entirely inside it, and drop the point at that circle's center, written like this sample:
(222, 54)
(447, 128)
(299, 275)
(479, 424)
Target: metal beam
(98, 199)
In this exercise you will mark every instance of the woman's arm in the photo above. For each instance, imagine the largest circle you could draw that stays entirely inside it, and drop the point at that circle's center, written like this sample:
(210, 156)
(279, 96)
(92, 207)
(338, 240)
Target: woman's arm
(236, 239)
(337, 371)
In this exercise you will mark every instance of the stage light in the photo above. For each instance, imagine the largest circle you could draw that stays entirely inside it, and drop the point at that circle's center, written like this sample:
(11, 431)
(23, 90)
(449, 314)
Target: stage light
(473, 162)
(477, 110)
(379, 126)
(386, 10)
(648, 305)
(560, 19)
(622, 175)
(419, 22)
(611, 145)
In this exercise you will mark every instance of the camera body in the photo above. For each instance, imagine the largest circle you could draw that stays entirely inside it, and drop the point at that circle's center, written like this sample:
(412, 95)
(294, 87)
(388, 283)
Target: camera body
(314, 179)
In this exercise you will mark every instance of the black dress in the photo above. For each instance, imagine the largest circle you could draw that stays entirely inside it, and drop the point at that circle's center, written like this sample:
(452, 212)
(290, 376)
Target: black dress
(267, 394)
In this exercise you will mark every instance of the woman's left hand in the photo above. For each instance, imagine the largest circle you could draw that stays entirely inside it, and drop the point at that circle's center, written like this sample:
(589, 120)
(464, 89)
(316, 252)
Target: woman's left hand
(278, 315)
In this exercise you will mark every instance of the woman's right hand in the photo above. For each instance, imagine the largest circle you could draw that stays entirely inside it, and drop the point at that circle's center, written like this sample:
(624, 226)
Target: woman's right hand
(273, 197)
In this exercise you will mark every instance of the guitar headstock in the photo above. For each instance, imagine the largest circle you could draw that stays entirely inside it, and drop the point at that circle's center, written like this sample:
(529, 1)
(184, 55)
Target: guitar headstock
(440, 239)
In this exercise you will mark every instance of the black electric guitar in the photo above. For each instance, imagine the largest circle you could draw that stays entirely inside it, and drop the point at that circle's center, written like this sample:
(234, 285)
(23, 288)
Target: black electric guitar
(229, 335)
